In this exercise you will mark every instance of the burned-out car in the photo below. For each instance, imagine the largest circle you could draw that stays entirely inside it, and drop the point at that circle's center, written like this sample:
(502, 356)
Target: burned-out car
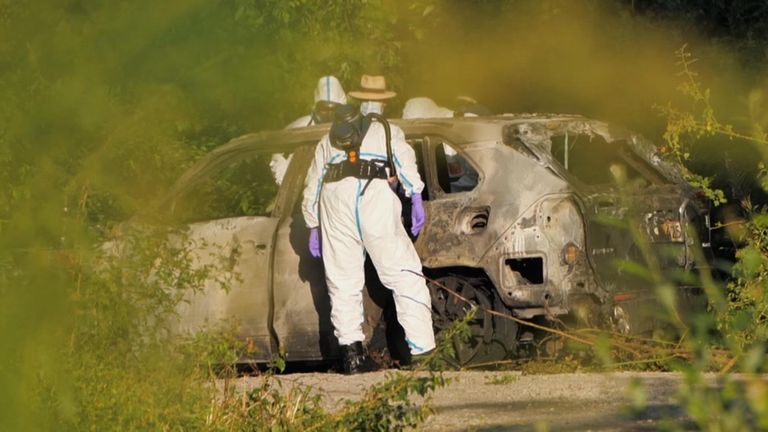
(535, 216)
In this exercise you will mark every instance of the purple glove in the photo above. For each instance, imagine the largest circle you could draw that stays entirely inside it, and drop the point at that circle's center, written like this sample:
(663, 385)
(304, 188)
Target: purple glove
(418, 217)
(314, 242)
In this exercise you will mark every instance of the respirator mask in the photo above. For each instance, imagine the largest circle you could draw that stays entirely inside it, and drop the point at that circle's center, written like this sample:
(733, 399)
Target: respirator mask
(375, 107)
(324, 111)
(346, 132)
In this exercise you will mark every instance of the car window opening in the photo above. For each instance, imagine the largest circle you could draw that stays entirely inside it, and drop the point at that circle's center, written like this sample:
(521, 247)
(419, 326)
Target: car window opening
(454, 173)
(244, 187)
(530, 268)
(595, 161)
(418, 148)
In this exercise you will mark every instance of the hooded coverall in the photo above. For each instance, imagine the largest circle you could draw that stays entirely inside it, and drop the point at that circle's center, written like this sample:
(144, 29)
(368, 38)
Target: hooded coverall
(352, 224)
(424, 107)
(328, 89)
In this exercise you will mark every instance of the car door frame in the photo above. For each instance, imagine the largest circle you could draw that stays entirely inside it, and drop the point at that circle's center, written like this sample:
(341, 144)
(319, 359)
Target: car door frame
(215, 164)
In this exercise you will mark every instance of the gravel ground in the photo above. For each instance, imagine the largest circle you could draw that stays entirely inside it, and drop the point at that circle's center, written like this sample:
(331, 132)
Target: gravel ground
(509, 401)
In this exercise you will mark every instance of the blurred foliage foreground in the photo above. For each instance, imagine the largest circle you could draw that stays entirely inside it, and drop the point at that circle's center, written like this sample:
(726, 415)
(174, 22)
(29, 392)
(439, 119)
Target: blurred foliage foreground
(103, 104)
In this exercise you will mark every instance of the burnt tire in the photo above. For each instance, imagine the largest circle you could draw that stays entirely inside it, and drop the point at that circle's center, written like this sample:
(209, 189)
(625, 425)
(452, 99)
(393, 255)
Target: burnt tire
(453, 297)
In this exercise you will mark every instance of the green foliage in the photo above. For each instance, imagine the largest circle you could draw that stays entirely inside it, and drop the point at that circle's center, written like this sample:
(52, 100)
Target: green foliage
(742, 23)
(746, 320)
(344, 38)
(102, 105)
(129, 370)
(733, 403)
(243, 188)
(729, 405)
(683, 128)
(743, 319)
(386, 406)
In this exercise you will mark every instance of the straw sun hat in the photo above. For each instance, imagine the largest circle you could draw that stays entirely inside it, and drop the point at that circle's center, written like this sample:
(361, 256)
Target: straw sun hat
(373, 87)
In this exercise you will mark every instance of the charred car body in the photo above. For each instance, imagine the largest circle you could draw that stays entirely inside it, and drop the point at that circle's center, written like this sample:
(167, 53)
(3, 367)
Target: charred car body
(537, 216)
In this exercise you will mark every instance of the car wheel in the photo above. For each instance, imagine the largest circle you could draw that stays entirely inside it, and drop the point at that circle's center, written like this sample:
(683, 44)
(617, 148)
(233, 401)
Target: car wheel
(452, 298)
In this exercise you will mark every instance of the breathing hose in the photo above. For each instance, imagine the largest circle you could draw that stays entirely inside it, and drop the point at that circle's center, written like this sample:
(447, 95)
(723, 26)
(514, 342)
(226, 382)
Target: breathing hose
(388, 134)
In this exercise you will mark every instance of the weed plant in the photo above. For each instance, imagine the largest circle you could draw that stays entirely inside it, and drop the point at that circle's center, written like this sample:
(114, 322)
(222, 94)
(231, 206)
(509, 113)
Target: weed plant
(731, 336)
(399, 402)
(124, 367)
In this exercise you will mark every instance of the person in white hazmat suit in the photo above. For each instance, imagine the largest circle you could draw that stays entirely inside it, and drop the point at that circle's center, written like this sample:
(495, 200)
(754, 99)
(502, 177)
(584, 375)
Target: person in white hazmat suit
(358, 213)
(424, 107)
(329, 94)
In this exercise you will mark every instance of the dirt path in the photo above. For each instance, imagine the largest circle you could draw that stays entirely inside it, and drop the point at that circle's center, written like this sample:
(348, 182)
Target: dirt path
(496, 401)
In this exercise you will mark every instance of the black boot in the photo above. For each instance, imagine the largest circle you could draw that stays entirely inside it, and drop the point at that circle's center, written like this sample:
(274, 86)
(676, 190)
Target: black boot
(355, 360)
(424, 361)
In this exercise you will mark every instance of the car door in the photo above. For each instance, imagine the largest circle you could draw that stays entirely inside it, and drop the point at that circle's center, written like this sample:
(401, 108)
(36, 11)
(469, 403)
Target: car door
(455, 226)
(301, 318)
(229, 210)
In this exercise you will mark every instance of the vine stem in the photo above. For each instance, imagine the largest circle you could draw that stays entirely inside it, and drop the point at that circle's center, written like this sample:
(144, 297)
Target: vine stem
(661, 353)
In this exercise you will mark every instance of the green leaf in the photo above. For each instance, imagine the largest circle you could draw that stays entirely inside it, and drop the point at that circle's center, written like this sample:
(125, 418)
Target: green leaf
(754, 358)
(750, 259)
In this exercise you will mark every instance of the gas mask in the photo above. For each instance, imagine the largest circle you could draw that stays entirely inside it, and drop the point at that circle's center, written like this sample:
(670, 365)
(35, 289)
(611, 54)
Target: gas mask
(349, 129)
(346, 132)
(324, 111)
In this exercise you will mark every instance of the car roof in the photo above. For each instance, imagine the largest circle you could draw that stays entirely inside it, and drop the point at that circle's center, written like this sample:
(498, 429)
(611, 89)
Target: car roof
(473, 128)
(460, 131)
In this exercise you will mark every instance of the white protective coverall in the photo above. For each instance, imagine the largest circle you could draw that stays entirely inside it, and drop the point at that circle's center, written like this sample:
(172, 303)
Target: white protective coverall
(352, 224)
(328, 89)
(424, 107)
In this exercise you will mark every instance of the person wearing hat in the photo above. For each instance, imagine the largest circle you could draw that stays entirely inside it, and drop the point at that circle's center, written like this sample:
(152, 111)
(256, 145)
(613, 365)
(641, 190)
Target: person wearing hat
(372, 94)
(355, 215)
(328, 95)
